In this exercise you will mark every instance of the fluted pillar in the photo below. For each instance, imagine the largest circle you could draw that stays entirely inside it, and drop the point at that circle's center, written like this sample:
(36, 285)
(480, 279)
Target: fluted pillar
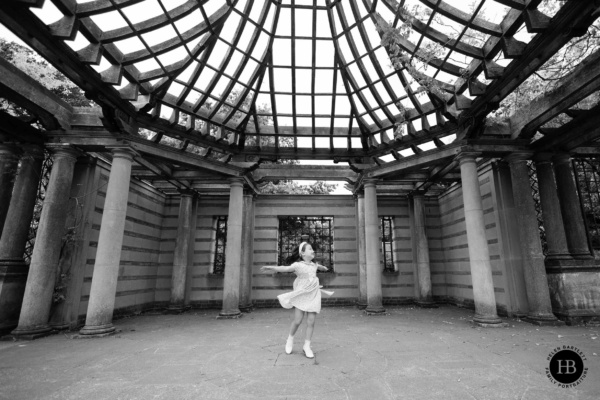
(536, 282)
(231, 281)
(425, 296)
(13, 269)
(108, 254)
(247, 258)
(181, 255)
(8, 169)
(372, 247)
(556, 240)
(479, 256)
(570, 207)
(362, 257)
(37, 301)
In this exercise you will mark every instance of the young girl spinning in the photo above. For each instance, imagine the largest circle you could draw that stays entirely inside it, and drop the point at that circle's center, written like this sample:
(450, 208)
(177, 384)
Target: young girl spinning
(306, 296)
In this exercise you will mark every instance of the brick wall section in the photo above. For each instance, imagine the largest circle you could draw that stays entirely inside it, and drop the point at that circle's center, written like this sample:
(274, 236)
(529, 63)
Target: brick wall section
(139, 269)
(398, 286)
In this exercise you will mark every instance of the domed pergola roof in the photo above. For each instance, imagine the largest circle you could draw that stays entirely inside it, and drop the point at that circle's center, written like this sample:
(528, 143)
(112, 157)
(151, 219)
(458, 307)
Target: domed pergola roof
(302, 79)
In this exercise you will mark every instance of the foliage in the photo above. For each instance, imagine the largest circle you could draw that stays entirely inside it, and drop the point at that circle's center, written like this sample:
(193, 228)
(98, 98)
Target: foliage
(292, 187)
(392, 39)
(39, 69)
(315, 230)
(544, 80)
(547, 77)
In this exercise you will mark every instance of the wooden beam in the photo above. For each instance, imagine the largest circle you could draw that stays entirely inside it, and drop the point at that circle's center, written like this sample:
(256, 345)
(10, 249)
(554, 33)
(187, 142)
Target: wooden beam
(580, 83)
(99, 141)
(19, 130)
(579, 131)
(17, 86)
(304, 172)
(535, 54)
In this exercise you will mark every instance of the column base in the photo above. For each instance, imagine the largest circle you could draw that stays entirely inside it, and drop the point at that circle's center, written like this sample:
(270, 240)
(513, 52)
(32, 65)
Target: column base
(247, 308)
(426, 304)
(485, 325)
(376, 311)
(360, 305)
(234, 314)
(174, 310)
(31, 333)
(543, 320)
(97, 330)
(61, 327)
(489, 321)
(13, 278)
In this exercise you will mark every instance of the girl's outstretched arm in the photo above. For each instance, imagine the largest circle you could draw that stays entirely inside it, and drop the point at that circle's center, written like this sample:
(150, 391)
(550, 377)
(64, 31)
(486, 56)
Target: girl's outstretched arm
(282, 268)
(322, 267)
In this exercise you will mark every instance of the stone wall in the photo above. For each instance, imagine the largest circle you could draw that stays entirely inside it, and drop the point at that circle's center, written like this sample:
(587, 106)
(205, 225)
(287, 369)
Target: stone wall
(151, 230)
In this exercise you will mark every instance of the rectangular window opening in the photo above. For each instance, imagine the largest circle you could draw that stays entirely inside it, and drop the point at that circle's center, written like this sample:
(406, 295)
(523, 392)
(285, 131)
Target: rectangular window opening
(318, 231)
(387, 243)
(220, 224)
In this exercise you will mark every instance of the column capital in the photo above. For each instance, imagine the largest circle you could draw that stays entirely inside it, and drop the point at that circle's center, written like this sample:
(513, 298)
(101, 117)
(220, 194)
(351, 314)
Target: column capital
(123, 151)
(543, 158)
(518, 156)
(466, 156)
(187, 192)
(61, 150)
(32, 150)
(561, 158)
(236, 181)
(370, 182)
(9, 150)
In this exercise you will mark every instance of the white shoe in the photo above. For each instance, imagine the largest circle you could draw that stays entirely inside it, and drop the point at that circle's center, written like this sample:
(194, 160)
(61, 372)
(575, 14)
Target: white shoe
(289, 345)
(308, 352)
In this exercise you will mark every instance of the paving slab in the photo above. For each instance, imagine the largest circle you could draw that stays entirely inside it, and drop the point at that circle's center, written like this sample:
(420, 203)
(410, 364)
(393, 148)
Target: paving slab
(408, 353)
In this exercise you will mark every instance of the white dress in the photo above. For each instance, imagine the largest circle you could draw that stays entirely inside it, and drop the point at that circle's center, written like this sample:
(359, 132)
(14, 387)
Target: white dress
(306, 295)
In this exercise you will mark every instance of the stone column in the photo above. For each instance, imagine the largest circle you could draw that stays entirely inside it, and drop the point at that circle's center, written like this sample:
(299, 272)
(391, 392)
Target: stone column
(556, 240)
(425, 296)
(570, 207)
(8, 169)
(65, 314)
(231, 281)
(362, 257)
(20, 210)
(180, 257)
(37, 301)
(372, 246)
(479, 256)
(101, 305)
(536, 282)
(13, 270)
(247, 258)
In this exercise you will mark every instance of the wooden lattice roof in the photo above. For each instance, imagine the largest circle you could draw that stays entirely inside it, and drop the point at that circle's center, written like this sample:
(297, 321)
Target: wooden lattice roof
(305, 79)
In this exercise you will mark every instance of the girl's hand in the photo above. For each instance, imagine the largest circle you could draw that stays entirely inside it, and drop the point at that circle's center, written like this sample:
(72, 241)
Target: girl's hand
(266, 268)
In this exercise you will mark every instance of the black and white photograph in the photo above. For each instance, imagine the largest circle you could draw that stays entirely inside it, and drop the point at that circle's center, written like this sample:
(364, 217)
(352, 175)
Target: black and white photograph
(299, 199)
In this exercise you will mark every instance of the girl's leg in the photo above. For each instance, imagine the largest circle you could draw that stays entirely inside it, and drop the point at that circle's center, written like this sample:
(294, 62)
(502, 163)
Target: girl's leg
(298, 316)
(310, 325)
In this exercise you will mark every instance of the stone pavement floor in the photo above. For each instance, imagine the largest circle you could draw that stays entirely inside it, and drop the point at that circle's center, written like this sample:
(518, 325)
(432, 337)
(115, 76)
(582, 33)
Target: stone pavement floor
(409, 353)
